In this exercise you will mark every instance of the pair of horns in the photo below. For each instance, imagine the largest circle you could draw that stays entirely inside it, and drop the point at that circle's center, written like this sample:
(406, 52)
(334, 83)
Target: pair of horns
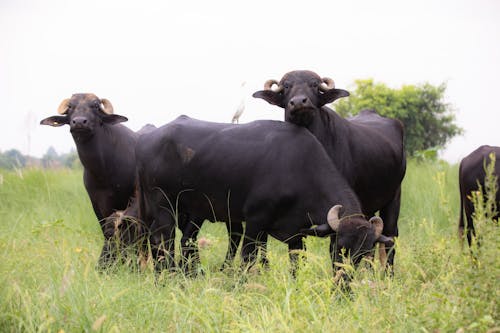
(326, 84)
(105, 106)
(334, 220)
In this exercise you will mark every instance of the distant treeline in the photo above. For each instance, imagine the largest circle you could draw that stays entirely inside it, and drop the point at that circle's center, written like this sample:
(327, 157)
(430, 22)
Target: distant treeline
(14, 159)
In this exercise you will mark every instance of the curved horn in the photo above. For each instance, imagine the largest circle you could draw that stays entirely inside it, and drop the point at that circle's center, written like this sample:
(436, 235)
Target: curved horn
(333, 217)
(63, 107)
(106, 106)
(378, 224)
(268, 85)
(326, 84)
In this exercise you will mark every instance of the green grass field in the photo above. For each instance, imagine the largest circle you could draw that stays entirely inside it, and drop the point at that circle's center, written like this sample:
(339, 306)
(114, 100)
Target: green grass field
(50, 242)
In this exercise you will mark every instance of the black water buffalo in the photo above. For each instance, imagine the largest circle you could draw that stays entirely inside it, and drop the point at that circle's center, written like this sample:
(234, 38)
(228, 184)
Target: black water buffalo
(107, 152)
(275, 176)
(367, 149)
(470, 174)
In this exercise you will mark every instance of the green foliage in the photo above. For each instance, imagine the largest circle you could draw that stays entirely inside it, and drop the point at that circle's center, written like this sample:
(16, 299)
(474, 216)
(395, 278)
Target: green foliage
(50, 158)
(428, 120)
(429, 155)
(50, 242)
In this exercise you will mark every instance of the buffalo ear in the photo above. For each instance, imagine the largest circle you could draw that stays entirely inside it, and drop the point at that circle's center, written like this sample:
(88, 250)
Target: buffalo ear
(113, 119)
(387, 241)
(331, 95)
(55, 121)
(270, 96)
(321, 230)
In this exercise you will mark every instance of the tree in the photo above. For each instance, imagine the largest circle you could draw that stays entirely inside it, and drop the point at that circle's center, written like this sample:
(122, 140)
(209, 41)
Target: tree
(70, 160)
(428, 120)
(51, 158)
(12, 159)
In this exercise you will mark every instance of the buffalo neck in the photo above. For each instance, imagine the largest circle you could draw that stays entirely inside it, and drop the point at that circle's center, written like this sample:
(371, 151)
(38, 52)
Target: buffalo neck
(341, 192)
(110, 145)
(332, 131)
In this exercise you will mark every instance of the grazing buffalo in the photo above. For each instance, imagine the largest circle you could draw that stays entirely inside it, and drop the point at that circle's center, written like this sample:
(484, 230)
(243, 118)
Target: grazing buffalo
(470, 174)
(275, 176)
(366, 149)
(107, 152)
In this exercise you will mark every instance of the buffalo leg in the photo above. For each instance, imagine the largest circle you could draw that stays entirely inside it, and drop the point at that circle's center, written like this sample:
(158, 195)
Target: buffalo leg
(235, 232)
(251, 242)
(469, 225)
(104, 204)
(108, 254)
(109, 251)
(263, 251)
(294, 246)
(162, 241)
(390, 215)
(190, 258)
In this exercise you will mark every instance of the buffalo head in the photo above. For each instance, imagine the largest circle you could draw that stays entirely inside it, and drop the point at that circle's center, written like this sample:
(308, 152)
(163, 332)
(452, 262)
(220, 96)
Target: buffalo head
(84, 113)
(301, 94)
(354, 234)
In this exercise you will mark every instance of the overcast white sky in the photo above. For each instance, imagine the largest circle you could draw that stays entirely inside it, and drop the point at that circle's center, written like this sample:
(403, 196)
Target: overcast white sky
(155, 60)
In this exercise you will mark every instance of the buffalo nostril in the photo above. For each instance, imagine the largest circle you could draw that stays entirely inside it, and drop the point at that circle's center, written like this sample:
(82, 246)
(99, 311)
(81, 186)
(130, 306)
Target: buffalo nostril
(85, 121)
(292, 103)
(304, 100)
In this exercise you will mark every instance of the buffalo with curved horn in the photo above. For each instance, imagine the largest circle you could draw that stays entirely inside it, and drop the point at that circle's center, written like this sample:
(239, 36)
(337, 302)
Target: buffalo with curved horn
(367, 149)
(107, 152)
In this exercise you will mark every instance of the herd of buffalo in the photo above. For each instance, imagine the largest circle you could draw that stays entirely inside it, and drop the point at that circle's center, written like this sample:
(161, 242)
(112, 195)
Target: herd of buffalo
(316, 173)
